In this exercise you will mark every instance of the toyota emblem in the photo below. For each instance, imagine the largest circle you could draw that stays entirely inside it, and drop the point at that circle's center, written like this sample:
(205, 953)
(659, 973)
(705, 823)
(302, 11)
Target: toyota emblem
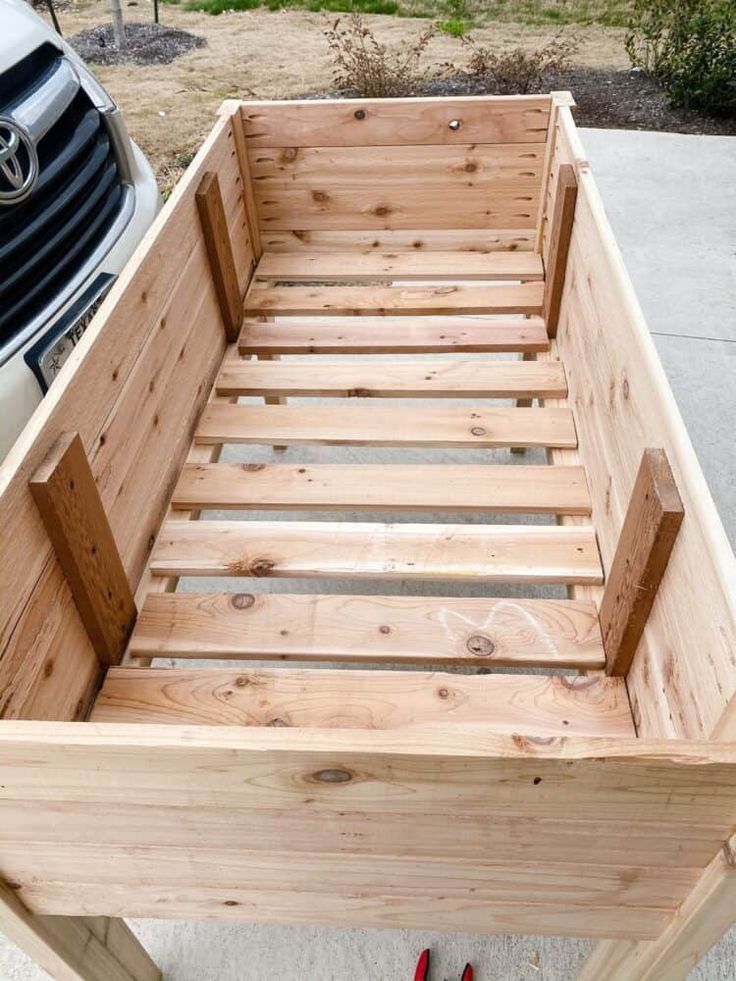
(18, 162)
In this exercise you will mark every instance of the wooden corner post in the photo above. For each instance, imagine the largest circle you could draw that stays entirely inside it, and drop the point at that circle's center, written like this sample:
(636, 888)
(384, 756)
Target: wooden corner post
(652, 521)
(560, 235)
(66, 494)
(220, 252)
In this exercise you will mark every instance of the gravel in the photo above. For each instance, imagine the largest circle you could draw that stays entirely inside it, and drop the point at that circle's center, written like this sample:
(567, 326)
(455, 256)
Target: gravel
(147, 44)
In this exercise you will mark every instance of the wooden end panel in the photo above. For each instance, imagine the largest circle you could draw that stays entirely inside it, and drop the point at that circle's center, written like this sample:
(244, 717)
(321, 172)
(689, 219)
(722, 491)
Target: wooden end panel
(220, 252)
(72, 512)
(648, 535)
(345, 813)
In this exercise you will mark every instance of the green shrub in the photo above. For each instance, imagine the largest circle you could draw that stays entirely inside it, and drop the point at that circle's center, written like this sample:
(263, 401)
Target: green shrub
(517, 72)
(690, 45)
(455, 28)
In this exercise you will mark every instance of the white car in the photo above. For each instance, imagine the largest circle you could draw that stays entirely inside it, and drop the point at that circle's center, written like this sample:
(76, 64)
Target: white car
(76, 197)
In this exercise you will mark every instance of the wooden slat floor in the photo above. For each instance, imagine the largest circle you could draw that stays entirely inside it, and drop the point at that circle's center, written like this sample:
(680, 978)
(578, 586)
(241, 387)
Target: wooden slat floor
(326, 304)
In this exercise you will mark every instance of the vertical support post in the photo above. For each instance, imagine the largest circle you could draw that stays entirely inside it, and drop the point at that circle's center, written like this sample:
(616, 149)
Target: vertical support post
(76, 948)
(67, 498)
(652, 521)
(251, 211)
(700, 922)
(560, 235)
(220, 252)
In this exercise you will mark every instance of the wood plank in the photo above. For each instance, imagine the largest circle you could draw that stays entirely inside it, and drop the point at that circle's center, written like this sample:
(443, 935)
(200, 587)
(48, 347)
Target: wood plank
(358, 425)
(703, 918)
(128, 823)
(361, 550)
(648, 535)
(287, 204)
(364, 240)
(325, 266)
(402, 166)
(364, 301)
(75, 948)
(376, 122)
(469, 631)
(220, 251)
(330, 335)
(397, 379)
(560, 236)
(541, 705)
(65, 492)
(414, 487)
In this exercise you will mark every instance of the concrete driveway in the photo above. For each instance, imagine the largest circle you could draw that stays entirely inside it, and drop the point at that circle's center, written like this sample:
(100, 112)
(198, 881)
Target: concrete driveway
(672, 203)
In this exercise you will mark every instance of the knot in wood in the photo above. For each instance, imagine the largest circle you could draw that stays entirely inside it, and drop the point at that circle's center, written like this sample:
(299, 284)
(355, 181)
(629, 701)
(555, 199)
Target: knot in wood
(253, 467)
(480, 646)
(332, 776)
(241, 601)
(359, 113)
(262, 567)
(478, 431)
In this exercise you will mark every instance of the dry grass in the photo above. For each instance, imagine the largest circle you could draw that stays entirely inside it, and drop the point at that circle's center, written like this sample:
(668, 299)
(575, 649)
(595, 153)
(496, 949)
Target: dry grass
(259, 54)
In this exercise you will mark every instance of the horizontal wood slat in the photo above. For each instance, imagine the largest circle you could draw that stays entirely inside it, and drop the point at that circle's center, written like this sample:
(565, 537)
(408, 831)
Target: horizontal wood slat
(364, 335)
(360, 122)
(470, 631)
(400, 379)
(368, 240)
(451, 165)
(474, 488)
(287, 204)
(412, 265)
(362, 301)
(530, 704)
(363, 550)
(369, 425)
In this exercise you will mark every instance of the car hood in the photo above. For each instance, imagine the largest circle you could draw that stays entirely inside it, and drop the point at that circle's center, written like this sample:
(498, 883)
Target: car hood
(21, 31)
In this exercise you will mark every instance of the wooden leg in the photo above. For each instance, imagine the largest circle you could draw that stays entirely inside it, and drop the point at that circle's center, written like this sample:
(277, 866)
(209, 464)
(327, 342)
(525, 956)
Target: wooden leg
(524, 403)
(707, 913)
(76, 948)
(273, 399)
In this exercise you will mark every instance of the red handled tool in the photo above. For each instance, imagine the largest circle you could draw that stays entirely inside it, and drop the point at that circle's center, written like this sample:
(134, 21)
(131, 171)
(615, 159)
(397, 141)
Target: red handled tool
(421, 973)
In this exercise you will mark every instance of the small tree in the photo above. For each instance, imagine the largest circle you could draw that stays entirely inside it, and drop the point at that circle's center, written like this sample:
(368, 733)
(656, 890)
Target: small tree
(118, 29)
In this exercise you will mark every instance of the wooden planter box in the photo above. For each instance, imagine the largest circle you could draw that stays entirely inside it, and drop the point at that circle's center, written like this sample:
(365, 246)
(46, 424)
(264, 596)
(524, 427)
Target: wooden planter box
(596, 797)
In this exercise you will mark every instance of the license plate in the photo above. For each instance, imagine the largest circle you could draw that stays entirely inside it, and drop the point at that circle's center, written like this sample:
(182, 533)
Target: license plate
(47, 357)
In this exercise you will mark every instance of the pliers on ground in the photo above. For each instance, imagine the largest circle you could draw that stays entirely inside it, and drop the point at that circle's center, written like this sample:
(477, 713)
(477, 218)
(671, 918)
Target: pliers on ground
(421, 972)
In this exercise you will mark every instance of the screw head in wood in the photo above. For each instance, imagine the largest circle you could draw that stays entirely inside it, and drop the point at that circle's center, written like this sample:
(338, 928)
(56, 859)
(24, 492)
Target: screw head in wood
(455, 125)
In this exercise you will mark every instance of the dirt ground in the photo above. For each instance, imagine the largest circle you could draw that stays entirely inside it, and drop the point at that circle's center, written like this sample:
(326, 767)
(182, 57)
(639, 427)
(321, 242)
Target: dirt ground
(267, 55)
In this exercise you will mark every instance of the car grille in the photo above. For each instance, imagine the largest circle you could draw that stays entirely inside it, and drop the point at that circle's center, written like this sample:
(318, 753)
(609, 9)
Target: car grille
(45, 238)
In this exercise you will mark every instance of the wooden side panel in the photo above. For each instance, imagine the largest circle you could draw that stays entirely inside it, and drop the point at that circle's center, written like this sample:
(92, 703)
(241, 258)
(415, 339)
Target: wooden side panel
(355, 799)
(684, 672)
(423, 167)
(134, 387)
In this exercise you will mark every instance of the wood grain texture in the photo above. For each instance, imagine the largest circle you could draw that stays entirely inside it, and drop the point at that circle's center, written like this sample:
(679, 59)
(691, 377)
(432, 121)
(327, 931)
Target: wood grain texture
(75, 948)
(450, 165)
(286, 204)
(365, 699)
(264, 299)
(65, 492)
(160, 318)
(622, 405)
(367, 122)
(326, 266)
(299, 425)
(648, 535)
(219, 249)
(704, 917)
(363, 335)
(397, 379)
(366, 240)
(420, 487)
(476, 553)
(470, 631)
(560, 235)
